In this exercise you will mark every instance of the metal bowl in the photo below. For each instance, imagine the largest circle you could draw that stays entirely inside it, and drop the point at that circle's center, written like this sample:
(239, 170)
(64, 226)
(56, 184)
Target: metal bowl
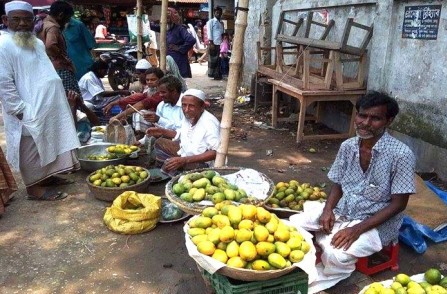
(96, 149)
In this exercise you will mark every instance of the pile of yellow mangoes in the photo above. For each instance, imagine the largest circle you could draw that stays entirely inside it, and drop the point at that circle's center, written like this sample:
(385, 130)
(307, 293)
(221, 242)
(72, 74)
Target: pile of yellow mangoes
(121, 149)
(99, 129)
(207, 185)
(102, 156)
(433, 283)
(121, 176)
(292, 195)
(246, 236)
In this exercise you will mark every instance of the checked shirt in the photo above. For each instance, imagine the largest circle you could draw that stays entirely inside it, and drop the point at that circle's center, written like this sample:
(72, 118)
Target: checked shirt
(391, 171)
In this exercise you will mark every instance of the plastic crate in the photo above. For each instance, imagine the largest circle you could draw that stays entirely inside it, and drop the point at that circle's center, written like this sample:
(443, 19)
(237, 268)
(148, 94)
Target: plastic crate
(294, 283)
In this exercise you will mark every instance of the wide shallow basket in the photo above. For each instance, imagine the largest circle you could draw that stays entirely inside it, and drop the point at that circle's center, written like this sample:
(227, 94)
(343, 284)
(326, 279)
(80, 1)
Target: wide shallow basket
(109, 194)
(96, 149)
(196, 208)
(282, 212)
(292, 282)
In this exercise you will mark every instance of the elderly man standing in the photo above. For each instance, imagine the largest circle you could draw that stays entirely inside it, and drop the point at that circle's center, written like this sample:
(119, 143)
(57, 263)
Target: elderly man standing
(56, 48)
(40, 133)
(373, 177)
(194, 144)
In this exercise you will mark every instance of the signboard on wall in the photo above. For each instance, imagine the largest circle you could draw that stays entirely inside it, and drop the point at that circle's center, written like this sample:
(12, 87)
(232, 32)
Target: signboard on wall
(421, 22)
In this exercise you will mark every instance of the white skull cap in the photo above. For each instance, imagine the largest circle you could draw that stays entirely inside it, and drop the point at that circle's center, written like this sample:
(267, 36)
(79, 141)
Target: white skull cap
(143, 64)
(196, 93)
(18, 5)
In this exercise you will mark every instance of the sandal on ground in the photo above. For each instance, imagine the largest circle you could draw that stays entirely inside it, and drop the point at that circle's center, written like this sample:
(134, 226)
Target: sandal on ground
(57, 181)
(49, 196)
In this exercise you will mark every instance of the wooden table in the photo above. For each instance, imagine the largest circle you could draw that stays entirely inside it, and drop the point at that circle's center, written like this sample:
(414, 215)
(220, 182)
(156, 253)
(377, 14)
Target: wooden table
(307, 97)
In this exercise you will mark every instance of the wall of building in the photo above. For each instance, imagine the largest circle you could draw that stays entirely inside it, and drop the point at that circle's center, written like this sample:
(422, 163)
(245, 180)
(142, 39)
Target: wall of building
(414, 72)
(411, 70)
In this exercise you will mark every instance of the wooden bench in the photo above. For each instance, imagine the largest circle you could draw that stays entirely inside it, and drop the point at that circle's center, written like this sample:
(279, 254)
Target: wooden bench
(331, 60)
(307, 97)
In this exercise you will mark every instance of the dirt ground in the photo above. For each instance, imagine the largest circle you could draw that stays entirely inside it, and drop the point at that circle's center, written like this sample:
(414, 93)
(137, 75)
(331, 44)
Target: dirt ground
(64, 247)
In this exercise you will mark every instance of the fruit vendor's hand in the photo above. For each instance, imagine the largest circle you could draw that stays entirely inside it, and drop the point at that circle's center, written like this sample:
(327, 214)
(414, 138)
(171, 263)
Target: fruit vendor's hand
(345, 237)
(174, 163)
(72, 98)
(150, 116)
(109, 107)
(155, 132)
(327, 220)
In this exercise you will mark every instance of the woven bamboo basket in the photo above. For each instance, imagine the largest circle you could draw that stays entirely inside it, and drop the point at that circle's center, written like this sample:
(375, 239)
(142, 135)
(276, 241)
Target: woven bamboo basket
(109, 194)
(196, 208)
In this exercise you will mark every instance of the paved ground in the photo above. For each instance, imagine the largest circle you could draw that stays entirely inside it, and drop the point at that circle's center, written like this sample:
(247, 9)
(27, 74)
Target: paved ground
(63, 247)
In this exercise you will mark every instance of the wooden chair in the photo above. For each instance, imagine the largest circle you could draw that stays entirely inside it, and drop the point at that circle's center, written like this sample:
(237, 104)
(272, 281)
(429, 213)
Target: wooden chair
(281, 50)
(352, 54)
(333, 51)
(320, 31)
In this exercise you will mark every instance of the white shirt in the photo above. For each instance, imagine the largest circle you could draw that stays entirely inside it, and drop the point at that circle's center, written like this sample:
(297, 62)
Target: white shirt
(215, 30)
(171, 116)
(30, 85)
(198, 139)
(99, 31)
(90, 86)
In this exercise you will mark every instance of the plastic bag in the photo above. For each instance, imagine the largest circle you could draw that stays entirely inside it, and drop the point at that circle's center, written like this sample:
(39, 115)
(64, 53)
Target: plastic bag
(133, 213)
(117, 133)
(414, 234)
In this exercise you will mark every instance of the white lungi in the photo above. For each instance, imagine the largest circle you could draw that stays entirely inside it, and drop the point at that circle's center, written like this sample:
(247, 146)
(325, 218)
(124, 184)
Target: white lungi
(336, 264)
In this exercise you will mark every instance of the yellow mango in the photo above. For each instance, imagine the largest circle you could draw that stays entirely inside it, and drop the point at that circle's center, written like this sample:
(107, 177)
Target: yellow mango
(282, 249)
(247, 251)
(236, 262)
(296, 255)
(232, 249)
(261, 233)
(265, 248)
(260, 265)
(277, 261)
(196, 231)
(243, 235)
(226, 234)
(221, 220)
(220, 255)
(206, 247)
(263, 215)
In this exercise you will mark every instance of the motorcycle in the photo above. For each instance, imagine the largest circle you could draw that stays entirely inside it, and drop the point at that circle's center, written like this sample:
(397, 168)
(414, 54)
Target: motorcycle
(121, 72)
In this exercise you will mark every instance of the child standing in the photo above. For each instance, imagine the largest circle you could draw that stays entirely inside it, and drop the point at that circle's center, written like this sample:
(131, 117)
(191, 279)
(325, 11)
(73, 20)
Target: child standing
(225, 55)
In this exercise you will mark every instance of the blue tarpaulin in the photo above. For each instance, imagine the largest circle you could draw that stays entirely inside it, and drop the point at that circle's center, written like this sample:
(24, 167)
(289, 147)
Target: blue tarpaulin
(415, 234)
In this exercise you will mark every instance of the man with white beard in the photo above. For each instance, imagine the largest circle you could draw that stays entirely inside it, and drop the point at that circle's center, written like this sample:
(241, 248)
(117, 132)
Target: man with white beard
(40, 132)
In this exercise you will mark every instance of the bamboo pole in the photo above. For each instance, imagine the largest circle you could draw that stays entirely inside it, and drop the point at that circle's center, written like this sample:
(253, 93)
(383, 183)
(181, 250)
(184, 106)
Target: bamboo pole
(163, 31)
(139, 29)
(233, 82)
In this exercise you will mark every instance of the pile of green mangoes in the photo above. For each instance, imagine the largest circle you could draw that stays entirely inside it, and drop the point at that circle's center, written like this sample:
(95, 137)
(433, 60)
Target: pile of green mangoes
(292, 195)
(208, 185)
(122, 149)
(121, 176)
(102, 157)
(433, 283)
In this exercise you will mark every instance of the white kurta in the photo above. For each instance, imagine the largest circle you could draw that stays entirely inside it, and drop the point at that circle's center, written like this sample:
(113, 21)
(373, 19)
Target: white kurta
(30, 85)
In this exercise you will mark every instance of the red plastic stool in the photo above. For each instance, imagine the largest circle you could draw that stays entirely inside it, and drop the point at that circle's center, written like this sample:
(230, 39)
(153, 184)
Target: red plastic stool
(391, 252)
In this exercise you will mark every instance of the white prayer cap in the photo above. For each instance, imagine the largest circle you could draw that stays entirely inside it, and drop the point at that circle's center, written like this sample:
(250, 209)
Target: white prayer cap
(18, 5)
(196, 93)
(143, 64)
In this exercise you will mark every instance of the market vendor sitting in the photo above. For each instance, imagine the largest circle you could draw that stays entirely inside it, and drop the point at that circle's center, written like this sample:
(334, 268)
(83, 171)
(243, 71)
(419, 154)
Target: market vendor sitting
(194, 144)
(92, 89)
(373, 176)
(150, 101)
